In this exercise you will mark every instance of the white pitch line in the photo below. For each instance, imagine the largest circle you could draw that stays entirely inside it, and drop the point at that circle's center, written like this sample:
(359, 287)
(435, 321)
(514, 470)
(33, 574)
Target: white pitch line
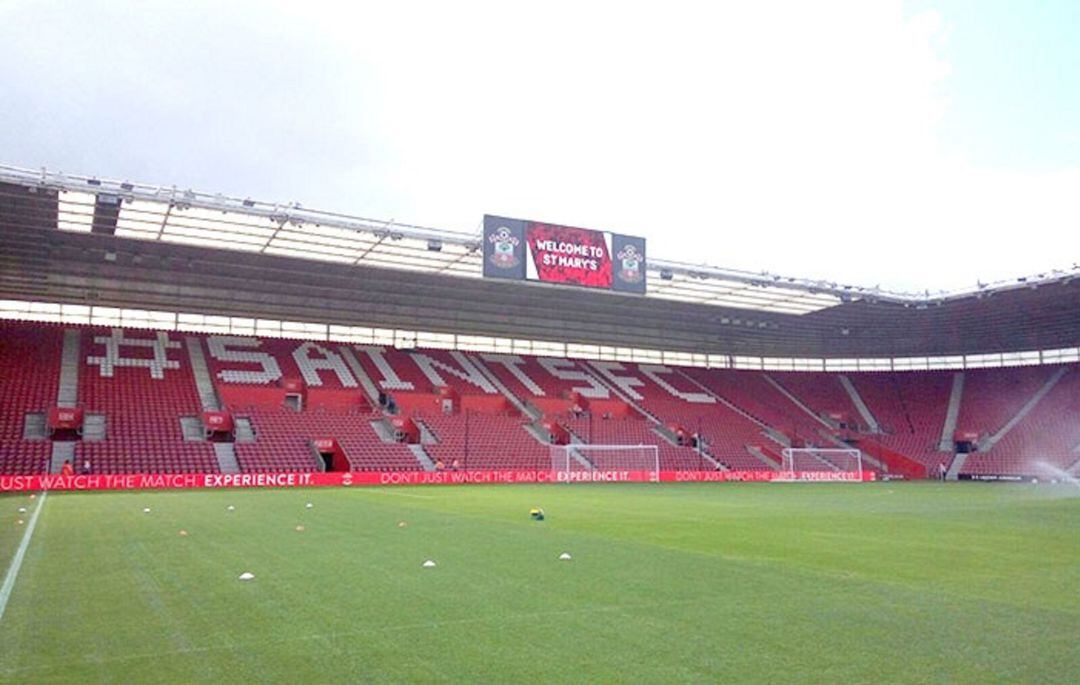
(373, 491)
(16, 561)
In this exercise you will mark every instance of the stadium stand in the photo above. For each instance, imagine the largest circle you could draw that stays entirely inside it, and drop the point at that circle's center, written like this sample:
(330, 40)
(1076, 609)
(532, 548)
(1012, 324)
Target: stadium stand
(286, 395)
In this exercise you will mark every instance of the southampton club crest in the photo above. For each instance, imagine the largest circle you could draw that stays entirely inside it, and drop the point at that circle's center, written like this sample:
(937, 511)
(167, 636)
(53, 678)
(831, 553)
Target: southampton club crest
(631, 264)
(504, 244)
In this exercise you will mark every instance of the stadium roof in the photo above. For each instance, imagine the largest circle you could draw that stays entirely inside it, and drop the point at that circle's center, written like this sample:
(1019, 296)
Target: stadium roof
(173, 215)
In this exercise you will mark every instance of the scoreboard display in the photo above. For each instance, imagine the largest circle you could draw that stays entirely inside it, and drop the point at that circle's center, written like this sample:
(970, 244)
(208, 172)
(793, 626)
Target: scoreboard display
(530, 250)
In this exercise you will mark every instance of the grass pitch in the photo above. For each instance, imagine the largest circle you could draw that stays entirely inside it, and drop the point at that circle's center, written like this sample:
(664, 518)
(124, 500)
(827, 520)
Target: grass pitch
(834, 583)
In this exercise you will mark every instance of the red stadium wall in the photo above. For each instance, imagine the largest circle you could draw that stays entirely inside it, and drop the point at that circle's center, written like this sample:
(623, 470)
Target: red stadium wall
(598, 407)
(361, 478)
(251, 396)
(427, 403)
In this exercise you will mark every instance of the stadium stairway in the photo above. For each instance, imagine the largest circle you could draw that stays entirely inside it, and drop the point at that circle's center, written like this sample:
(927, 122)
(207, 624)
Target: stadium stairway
(580, 458)
(796, 401)
(757, 452)
(203, 383)
(224, 452)
(952, 414)
(525, 409)
(426, 436)
(67, 394)
(93, 427)
(384, 430)
(362, 377)
(226, 457)
(541, 436)
(860, 405)
(422, 457)
(575, 439)
(34, 426)
(62, 451)
(68, 391)
(959, 459)
(988, 443)
(386, 433)
(242, 430)
(777, 437)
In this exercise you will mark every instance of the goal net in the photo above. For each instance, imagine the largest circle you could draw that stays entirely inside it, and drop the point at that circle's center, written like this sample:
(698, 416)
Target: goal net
(801, 460)
(607, 458)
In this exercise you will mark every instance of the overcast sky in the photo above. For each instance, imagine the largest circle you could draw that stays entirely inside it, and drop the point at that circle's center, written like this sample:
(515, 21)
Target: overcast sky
(912, 145)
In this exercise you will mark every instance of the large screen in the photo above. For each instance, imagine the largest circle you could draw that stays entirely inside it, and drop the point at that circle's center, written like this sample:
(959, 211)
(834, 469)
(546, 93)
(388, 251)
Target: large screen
(521, 249)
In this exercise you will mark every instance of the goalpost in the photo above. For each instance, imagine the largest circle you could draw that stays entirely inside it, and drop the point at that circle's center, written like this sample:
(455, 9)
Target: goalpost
(798, 460)
(607, 458)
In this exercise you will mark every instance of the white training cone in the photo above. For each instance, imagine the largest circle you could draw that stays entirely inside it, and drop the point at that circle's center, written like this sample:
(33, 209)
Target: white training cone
(22, 510)
(308, 505)
(246, 576)
(428, 564)
(230, 508)
(19, 522)
(146, 510)
(565, 556)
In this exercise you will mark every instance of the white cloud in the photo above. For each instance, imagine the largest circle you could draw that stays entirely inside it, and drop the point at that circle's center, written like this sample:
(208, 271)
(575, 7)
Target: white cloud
(801, 138)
